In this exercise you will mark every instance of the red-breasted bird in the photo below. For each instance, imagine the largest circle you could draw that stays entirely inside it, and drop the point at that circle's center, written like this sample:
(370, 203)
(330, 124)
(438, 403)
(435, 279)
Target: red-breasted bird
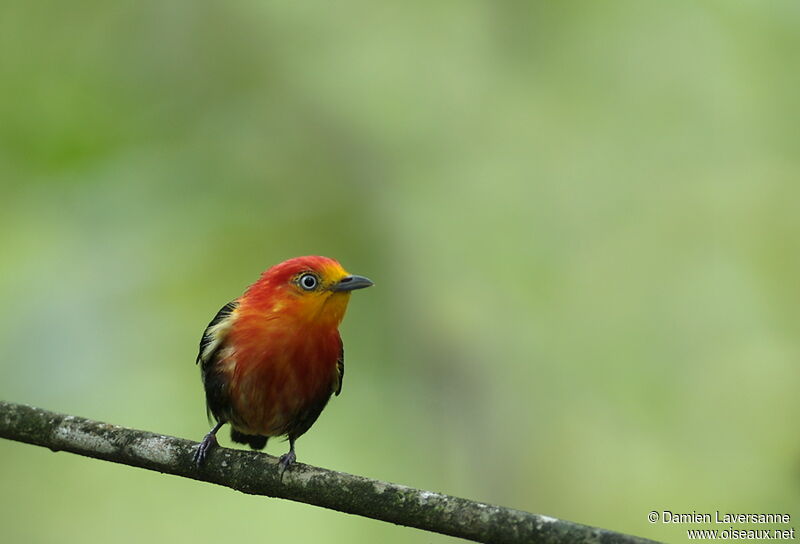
(271, 359)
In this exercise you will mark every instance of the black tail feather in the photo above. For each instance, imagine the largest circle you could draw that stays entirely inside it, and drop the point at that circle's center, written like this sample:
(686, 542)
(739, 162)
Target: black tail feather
(255, 441)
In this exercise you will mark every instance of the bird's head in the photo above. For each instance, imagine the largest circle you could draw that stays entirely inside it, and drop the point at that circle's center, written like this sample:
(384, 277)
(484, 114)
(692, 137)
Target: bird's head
(315, 289)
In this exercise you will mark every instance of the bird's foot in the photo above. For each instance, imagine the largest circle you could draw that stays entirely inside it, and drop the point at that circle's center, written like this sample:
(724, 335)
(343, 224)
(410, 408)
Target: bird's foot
(286, 460)
(209, 442)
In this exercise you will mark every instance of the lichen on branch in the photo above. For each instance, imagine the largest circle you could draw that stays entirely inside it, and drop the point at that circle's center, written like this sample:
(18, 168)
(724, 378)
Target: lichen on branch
(257, 474)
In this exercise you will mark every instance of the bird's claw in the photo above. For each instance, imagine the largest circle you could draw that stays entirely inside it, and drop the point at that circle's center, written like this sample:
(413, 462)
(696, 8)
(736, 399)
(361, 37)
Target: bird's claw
(209, 442)
(285, 461)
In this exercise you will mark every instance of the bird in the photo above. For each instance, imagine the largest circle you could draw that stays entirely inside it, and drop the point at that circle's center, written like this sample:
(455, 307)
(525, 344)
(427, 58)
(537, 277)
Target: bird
(271, 359)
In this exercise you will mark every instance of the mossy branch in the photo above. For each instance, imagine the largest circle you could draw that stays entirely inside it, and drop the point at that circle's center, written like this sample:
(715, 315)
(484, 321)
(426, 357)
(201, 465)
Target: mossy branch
(257, 474)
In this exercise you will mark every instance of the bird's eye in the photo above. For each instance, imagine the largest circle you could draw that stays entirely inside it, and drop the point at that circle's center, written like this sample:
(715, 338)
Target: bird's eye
(308, 282)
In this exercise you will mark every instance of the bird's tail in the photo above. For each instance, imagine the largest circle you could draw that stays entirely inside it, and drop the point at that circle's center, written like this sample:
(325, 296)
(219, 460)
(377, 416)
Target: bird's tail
(255, 441)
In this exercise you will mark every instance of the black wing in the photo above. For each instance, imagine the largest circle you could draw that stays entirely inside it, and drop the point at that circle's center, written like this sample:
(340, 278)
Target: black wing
(214, 334)
(340, 368)
(217, 401)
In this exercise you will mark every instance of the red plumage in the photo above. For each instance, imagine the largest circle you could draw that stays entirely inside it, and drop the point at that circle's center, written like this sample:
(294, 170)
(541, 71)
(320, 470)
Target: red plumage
(272, 358)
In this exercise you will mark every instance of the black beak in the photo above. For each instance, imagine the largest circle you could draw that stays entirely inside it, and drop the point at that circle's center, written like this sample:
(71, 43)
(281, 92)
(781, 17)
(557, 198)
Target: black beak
(351, 283)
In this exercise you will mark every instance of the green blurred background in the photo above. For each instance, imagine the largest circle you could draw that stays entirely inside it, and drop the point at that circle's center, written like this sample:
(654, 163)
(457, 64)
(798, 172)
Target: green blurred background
(581, 218)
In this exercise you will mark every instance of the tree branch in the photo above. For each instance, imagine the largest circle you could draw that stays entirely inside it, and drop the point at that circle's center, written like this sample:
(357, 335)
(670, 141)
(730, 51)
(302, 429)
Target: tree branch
(257, 474)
